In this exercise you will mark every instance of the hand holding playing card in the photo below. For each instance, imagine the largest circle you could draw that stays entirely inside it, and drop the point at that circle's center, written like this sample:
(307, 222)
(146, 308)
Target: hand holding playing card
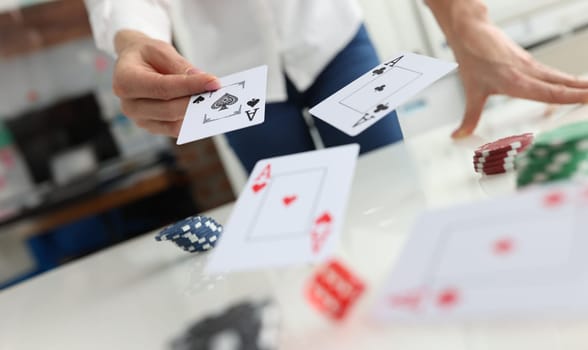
(155, 83)
(238, 103)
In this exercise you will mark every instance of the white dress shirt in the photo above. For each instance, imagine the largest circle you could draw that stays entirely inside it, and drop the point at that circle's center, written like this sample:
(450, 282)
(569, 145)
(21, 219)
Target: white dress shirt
(298, 37)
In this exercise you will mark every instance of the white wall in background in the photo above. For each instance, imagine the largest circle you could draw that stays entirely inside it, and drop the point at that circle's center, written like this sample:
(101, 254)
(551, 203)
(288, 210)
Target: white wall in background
(8, 5)
(53, 74)
(527, 21)
(501, 10)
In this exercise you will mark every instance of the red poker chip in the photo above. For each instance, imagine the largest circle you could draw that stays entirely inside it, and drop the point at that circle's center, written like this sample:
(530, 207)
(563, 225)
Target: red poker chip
(495, 156)
(493, 172)
(501, 168)
(516, 142)
(485, 170)
(502, 162)
(505, 165)
(493, 169)
(494, 166)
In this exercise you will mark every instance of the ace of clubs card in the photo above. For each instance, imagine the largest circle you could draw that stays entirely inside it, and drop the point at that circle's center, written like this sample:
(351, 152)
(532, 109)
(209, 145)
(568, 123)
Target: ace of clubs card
(290, 212)
(371, 97)
(238, 104)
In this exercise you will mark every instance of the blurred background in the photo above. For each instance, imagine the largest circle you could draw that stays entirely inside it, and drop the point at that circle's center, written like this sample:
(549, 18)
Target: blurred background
(77, 176)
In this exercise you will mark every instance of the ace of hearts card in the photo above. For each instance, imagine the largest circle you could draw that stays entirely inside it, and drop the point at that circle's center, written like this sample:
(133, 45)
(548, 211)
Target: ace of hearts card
(290, 212)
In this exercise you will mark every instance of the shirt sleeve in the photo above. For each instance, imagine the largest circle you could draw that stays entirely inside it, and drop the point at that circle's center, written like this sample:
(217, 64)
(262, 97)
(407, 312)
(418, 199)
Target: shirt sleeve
(107, 17)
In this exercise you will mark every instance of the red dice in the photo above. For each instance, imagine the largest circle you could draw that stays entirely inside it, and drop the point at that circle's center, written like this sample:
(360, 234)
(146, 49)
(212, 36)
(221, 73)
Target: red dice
(334, 289)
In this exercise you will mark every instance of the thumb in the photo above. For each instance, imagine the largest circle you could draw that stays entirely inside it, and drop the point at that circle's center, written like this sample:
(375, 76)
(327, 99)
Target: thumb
(474, 106)
(166, 60)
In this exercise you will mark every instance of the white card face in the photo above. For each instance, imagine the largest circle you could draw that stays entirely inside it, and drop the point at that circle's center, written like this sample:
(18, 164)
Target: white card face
(290, 212)
(374, 95)
(240, 103)
(521, 256)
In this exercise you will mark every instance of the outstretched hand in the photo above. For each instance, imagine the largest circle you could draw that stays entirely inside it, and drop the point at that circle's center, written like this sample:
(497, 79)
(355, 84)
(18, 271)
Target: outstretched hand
(491, 63)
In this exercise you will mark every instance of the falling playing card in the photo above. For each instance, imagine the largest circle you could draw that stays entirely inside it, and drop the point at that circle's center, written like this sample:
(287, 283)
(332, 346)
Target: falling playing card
(375, 94)
(290, 212)
(240, 103)
(521, 256)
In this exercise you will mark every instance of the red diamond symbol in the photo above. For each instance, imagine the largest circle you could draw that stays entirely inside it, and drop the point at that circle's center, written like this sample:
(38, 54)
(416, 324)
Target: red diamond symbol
(448, 298)
(554, 199)
(503, 246)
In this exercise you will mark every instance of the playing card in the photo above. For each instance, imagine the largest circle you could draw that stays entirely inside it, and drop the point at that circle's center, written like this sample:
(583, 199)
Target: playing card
(240, 103)
(518, 256)
(378, 92)
(290, 212)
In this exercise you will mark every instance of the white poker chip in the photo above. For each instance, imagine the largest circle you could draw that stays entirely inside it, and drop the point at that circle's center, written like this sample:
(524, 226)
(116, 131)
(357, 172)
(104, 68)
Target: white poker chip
(562, 158)
(582, 145)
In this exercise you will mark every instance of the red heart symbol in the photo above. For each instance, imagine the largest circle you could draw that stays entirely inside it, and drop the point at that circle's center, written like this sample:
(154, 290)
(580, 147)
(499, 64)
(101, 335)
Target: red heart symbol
(324, 219)
(258, 187)
(289, 199)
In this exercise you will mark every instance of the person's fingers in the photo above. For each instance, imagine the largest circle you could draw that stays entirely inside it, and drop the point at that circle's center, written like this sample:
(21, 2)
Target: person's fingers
(550, 110)
(138, 83)
(166, 60)
(146, 109)
(531, 88)
(475, 102)
(551, 75)
(171, 129)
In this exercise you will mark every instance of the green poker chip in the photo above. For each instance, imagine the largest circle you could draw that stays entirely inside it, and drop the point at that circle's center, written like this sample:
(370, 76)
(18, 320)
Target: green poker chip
(553, 164)
(567, 172)
(557, 155)
(570, 133)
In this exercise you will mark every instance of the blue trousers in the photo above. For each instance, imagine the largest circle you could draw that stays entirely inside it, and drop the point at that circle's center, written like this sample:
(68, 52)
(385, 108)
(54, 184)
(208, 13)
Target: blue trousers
(286, 132)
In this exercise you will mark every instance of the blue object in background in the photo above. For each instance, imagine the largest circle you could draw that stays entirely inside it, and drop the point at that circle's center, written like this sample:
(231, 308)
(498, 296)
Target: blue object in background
(72, 240)
(88, 235)
(69, 241)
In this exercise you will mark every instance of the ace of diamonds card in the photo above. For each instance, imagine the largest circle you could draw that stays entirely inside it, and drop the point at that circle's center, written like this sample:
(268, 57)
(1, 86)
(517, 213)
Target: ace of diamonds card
(290, 212)
(522, 256)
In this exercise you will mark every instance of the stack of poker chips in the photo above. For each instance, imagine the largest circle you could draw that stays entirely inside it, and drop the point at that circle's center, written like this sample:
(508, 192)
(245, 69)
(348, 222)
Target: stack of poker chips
(557, 155)
(247, 326)
(192, 234)
(498, 157)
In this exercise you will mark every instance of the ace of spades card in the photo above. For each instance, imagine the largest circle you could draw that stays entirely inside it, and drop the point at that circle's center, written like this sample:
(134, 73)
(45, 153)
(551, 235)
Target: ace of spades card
(290, 212)
(371, 97)
(240, 103)
(522, 256)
